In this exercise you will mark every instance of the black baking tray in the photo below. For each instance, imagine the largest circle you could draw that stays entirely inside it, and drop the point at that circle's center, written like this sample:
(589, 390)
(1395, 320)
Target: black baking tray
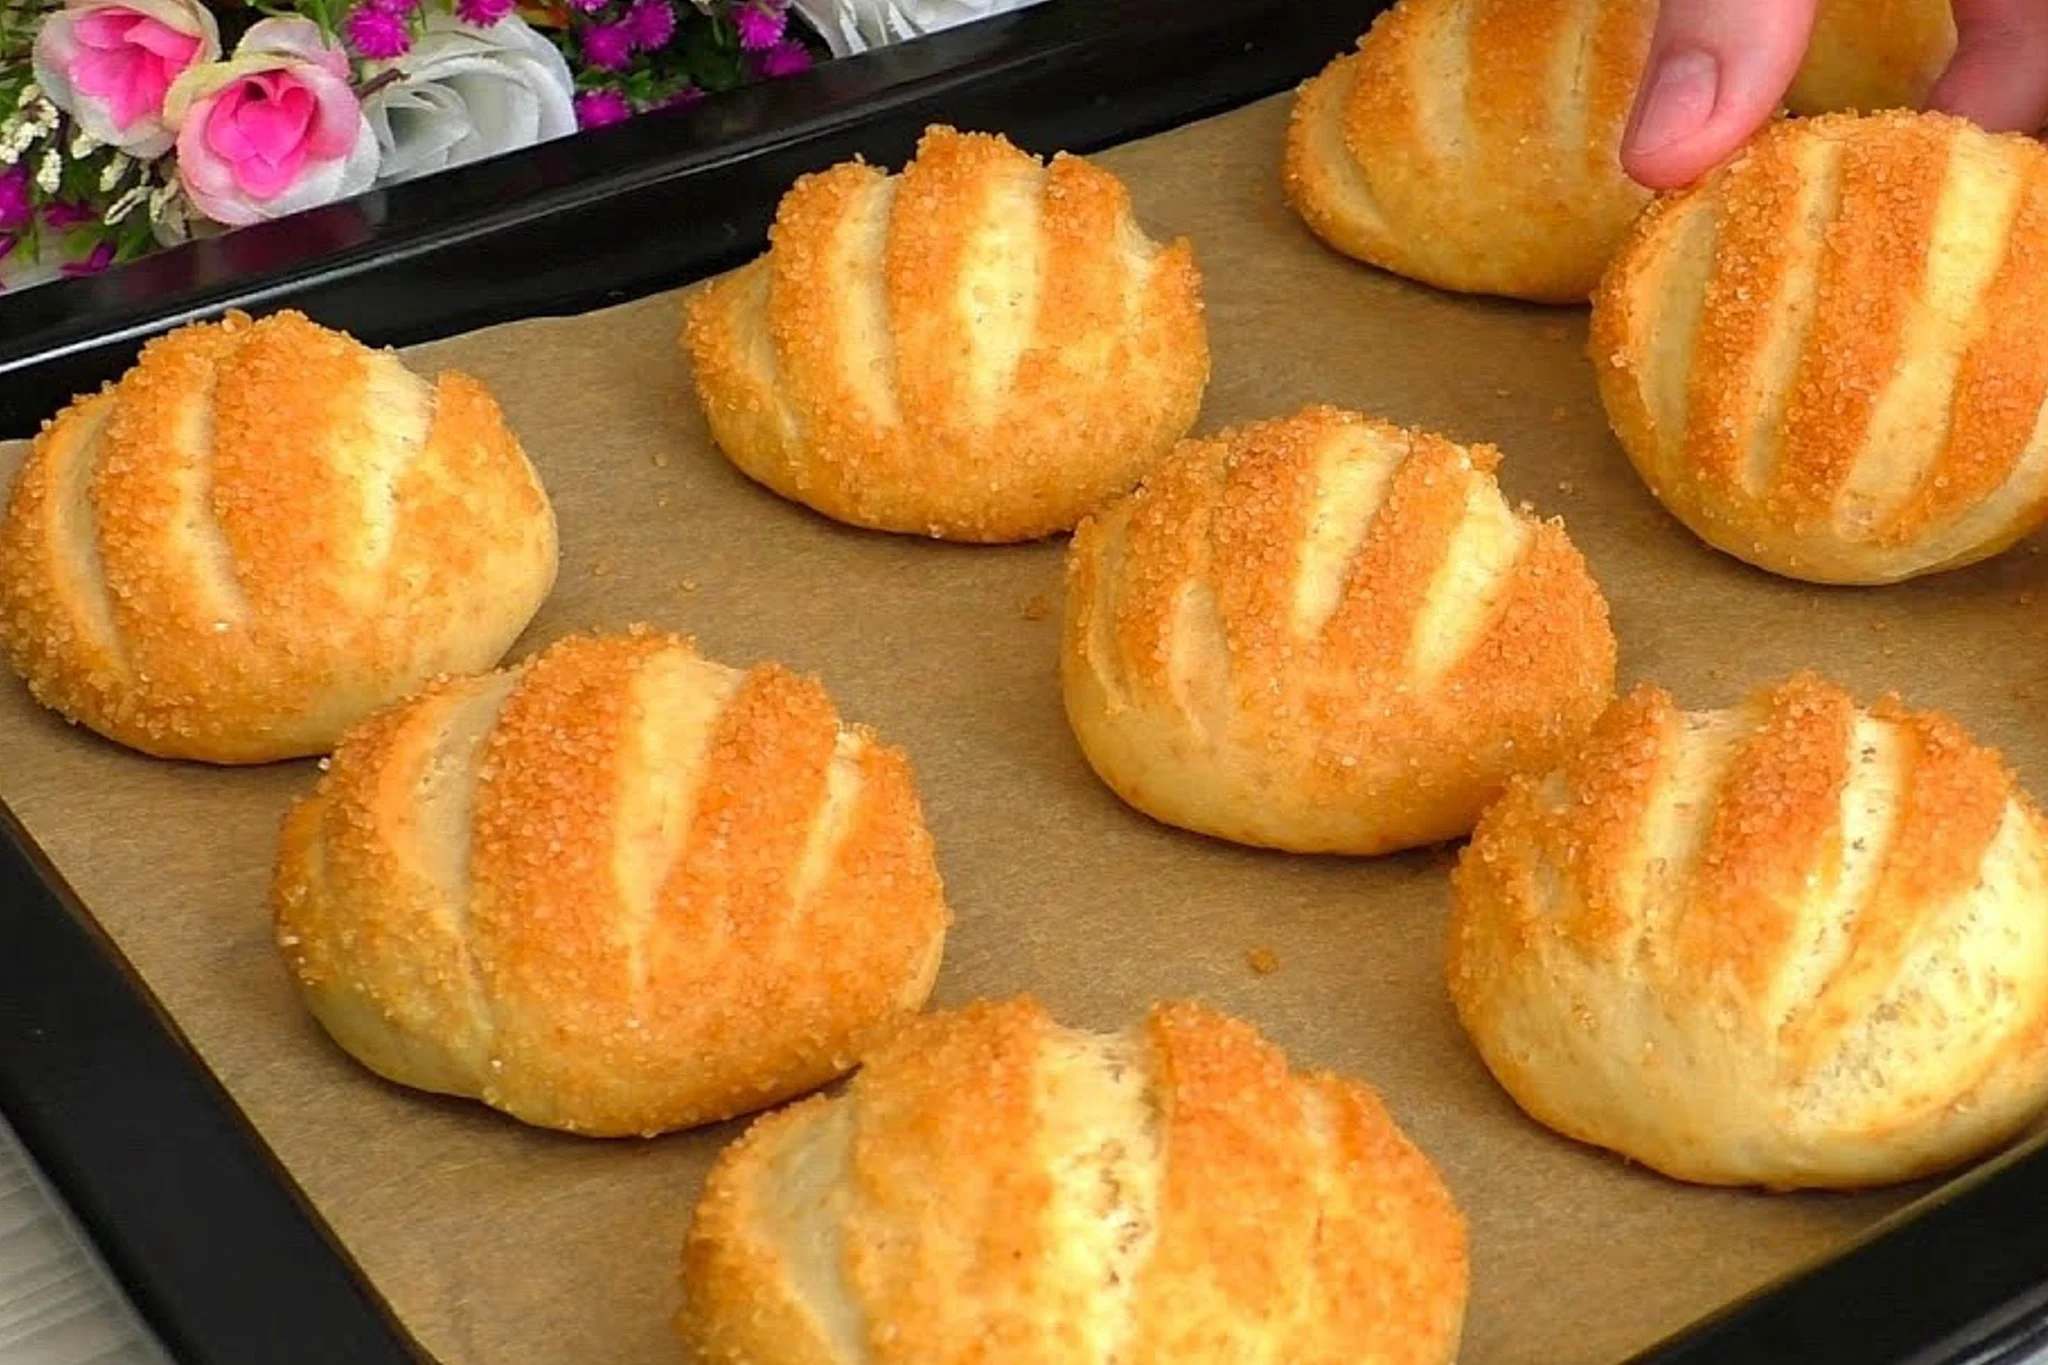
(208, 1234)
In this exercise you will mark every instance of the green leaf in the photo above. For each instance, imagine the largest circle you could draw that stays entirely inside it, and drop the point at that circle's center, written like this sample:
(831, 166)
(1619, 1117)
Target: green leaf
(711, 54)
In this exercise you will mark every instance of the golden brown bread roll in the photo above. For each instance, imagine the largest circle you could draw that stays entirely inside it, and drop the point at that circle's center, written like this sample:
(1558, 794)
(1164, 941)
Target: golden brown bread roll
(1327, 634)
(261, 534)
(1795, 943)
(1868, 55)
(620, 889)
(994, 1187)
(1826, 359)
(1475, 144)
(982, 348)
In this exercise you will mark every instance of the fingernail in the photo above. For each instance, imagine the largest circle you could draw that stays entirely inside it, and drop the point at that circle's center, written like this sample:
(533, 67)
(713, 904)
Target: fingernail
(1678, 103)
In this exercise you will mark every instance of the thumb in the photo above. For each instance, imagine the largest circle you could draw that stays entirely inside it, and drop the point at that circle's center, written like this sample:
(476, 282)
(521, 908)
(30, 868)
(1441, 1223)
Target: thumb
(1716, 73)
(1999, 75)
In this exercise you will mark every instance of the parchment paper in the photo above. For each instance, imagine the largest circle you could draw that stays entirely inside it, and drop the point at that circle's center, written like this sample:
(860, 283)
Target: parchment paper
(503, 1246)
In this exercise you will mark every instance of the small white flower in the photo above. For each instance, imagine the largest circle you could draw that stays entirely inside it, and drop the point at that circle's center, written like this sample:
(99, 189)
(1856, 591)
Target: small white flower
(30, 93)
(50, 174)
(127, 204)
(167, 213)
(851, 26)
(83, 144)
(466, 93)
(117, 167)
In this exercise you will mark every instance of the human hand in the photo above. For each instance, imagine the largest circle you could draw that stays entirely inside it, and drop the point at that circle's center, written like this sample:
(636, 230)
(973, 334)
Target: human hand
(1719, 68)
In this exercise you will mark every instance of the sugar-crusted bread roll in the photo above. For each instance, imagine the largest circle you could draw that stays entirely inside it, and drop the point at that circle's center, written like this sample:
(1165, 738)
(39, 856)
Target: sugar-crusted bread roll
(995, 1187)
(1475, 144)
(1867, 55)
(1327, 634)
(261, 534)
(982, 348)
(620, 889)
(1827, 358)
(1794, 943)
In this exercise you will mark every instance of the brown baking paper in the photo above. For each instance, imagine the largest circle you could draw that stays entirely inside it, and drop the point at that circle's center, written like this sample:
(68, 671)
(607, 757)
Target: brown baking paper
(498, 1245)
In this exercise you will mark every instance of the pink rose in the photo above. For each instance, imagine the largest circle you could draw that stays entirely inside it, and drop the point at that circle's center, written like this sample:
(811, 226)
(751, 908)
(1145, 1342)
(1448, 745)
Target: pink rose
(109, 64)
(273, 130)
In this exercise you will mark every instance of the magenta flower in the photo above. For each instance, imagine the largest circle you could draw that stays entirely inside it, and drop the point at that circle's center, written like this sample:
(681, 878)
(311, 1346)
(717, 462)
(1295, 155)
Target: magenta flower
(596, 108)
(15, 208)
(483, 13)
(785, 59)
(760, 26)
(63, 214)
(608, 47)
(377, 33)
(652, 23)
(102, 256)
(589, 6)
(401, 8)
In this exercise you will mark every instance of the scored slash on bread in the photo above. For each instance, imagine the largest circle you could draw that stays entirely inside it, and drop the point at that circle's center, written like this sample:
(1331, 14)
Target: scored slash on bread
(994, 1186)
(621, 889)
(981, 348)
(1797, 943)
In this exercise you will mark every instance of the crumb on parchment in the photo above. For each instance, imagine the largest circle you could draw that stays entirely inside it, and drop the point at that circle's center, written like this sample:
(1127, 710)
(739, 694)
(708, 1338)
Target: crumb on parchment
(1037, 608)
(1263, 961)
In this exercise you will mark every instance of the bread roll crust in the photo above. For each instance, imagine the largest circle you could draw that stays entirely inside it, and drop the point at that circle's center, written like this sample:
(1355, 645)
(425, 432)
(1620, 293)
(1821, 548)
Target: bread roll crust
(1867, 55)
(981, 348)
(618, 890)
(260, 534)
(1474, 145)
(1793, 944)
(995, 1187)
(1827, 359)
(1324, 633)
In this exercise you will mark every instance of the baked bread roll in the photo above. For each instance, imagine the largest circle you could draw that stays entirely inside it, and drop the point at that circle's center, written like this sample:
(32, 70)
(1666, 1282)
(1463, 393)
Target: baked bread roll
(1826, 357)
(620, 889)
(261, 534)
(1793, 944)
(982, 348)
(1867, 55)
(1476, 144)
(994, 1187)
(1326, 634)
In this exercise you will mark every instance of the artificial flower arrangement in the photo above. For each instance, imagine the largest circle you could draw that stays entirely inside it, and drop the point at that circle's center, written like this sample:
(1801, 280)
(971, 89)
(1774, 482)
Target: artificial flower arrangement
(126, 125)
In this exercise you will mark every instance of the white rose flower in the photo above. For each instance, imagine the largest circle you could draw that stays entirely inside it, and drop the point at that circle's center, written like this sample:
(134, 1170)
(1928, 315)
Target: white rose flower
(851, 26)
(464, 93)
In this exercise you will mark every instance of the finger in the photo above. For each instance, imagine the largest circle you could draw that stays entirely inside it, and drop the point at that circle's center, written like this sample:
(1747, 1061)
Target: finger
(1999, 75)
(1717, 72)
